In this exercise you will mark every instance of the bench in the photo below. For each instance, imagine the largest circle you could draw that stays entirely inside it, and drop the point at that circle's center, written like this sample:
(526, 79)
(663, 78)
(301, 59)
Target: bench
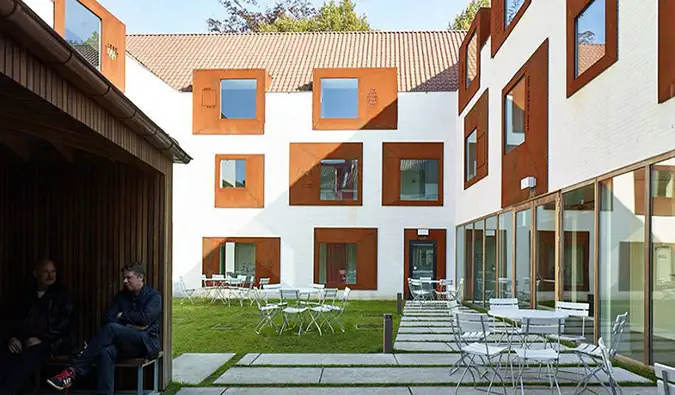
(138, 363)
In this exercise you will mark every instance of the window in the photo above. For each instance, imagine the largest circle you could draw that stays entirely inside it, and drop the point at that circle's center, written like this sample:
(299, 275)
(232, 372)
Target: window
(511, 8)
(504, 17)
(662, 184)
(590, 36)
(662, 189)
(339, 179)
(339, 97)
(412, 174)
(419, 179)
(233, 173)
(83, 32)
(229, 101)
(346, 257)
(237, 259)
(240, 181)
(514, 116)
(337, 263)
(324, 174)
(355, 99)
(258, 257)
(471, 59)
(470, 149)
(523, 243)
(666, 56)
(238, 99)
(476, 142)
(592, 40)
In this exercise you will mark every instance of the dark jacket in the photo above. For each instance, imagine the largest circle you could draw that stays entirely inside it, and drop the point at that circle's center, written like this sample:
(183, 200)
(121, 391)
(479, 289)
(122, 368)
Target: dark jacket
(142, 310)
(49, 318)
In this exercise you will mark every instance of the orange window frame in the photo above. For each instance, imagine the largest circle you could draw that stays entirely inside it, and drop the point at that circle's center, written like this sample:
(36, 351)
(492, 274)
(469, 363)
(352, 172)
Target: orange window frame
(392, 154)
(253, 194)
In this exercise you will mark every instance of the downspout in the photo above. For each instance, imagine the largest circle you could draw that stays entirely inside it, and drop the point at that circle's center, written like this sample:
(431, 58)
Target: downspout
(26, 27)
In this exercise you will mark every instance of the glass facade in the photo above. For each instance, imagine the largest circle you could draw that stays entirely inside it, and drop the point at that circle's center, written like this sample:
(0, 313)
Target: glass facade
(490, 258)
(477, 263)
(546, 250)
(505, 256)
(523, 245)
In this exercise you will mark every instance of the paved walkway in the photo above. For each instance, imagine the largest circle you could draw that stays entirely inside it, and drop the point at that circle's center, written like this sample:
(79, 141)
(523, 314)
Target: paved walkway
(386, 391)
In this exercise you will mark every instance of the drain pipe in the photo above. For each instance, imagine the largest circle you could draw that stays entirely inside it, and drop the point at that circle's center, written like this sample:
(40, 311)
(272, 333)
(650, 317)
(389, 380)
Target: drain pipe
(26, 27)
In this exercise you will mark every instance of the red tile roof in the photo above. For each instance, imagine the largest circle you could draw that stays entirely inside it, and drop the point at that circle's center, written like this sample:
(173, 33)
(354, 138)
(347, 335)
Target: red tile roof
(426, 61)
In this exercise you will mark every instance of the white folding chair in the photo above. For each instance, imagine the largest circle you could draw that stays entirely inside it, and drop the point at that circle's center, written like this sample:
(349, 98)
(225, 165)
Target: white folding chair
(267, 312)
(189, 292)
(500, 328)
(573, 310)
(338, 311)
(292, 314)
(665, 376)
(441, 292)
(318, 312)
(417, 291)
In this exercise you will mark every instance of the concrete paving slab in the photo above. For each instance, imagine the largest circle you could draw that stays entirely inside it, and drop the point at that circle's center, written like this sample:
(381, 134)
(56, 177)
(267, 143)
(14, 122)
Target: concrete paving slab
(319, 391)
(325, 359)
(422, 346)
(424, 330)
(425, 323)
(200, 391)
(250, 375)
(192, 368)
(247, 359)
(427, 359)
(430, 318)
(530, 390)
(424, 337)
(426, 314)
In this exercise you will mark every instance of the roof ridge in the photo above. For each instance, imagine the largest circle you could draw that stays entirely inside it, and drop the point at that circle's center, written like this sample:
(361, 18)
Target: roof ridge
(298, 33)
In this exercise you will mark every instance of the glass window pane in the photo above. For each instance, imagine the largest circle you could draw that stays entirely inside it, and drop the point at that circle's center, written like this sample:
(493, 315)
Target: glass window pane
(244, 259)
(472, 59)
(621, 260)
(83, 31)
(477, 263)
(233, 173)
(337, 263)
(663, 264)
(577, 268)
(514, 116)
(339, 179)
(419, 179)
(339, 98)
(470, 150)
(546, 252)
(511, 8)
(523, 242)
(467, 274)
(505, 235)
(461, 253)
(238, 98)
(590, 33)
(490, 258)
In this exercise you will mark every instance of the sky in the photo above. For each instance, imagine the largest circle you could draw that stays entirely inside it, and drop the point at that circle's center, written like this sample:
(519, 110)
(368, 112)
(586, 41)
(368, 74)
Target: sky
(189, 16)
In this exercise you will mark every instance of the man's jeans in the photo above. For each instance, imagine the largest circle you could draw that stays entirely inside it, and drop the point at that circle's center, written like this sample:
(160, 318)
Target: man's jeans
(15, 369)
(113, 342)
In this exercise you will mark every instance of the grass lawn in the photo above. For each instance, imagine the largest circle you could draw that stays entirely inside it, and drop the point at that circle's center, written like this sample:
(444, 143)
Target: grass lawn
(204, 327)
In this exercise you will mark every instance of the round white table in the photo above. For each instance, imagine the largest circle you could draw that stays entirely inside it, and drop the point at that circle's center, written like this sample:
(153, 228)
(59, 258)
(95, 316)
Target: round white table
(519, 314)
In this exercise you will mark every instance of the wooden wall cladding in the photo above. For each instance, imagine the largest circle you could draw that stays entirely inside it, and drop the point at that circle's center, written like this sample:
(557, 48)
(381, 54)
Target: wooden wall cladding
(305, 172)
(661, 206)
(206, 98)
(499, 30)
(267, 256)
(377, 100)
(113, 39)
(480, 27)
(392, 154)
(437, 235)
(366, 254)
(574, 9)
(531, 157)
(666, 50)
(90, 217)
(478, 119)
(251, 196)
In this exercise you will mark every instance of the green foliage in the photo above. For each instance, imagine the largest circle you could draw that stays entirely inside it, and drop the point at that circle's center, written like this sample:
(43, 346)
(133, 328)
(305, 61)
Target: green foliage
(463, 20)
(290, 16)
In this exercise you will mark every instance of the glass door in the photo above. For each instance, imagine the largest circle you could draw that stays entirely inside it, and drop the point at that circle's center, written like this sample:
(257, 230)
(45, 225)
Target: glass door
(547, 248)
(422, 259)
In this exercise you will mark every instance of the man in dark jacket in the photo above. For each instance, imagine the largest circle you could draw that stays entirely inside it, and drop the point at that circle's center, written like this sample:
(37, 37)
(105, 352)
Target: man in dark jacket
(39, 327)
(131, 330)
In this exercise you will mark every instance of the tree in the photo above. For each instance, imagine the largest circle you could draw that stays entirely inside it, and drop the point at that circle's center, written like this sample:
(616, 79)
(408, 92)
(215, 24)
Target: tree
(463, 20)
(288, 16)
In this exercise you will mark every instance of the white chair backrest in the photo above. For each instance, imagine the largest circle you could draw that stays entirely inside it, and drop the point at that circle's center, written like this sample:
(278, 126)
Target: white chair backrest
(472, 322)
(573, 309)
(271, 286)
(329, 295)
(264, 281)
(218, 277)
(543, 326)
(318, 286)
(665, 379)
(503, 303)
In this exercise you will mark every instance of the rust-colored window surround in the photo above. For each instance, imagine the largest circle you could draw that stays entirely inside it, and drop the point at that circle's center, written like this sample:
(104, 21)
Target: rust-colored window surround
(662, 206)
(595, 58)
(377, 99)
(477, 121)
(249, 195)
(267, 256)
(396, 154)
(500, 32)
(439, 236)
(341, 246)
(666, 50)
(306, 173)
(206, 102)
(529, 158)
(113, 39)
(468, 59)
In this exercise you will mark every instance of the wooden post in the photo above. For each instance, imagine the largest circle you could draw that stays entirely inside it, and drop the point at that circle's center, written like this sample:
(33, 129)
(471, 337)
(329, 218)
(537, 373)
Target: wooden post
(388, 343)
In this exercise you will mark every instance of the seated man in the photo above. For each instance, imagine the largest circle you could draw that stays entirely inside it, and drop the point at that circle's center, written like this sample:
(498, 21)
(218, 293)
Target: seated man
(39, 327)
(131, 330)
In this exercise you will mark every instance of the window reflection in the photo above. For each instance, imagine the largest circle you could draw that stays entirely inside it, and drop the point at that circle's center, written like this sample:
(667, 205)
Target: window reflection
(337, 263)
(511, 8)
(490, 258)
(238, 98)
(339, 179)
(339, 98)
(83, 31)
(419, 179)
(523, 242)
(472, 59)
(471, 159)
(505, 235)
(233, 173)
(477, 263)
(590, 36)
(514, 116)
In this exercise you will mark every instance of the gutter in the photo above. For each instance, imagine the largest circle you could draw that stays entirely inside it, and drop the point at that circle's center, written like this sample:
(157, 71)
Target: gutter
(26, 27)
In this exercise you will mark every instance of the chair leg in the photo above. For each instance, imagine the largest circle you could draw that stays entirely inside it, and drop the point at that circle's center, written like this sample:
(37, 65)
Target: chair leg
(155, 385)
(139, 381)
